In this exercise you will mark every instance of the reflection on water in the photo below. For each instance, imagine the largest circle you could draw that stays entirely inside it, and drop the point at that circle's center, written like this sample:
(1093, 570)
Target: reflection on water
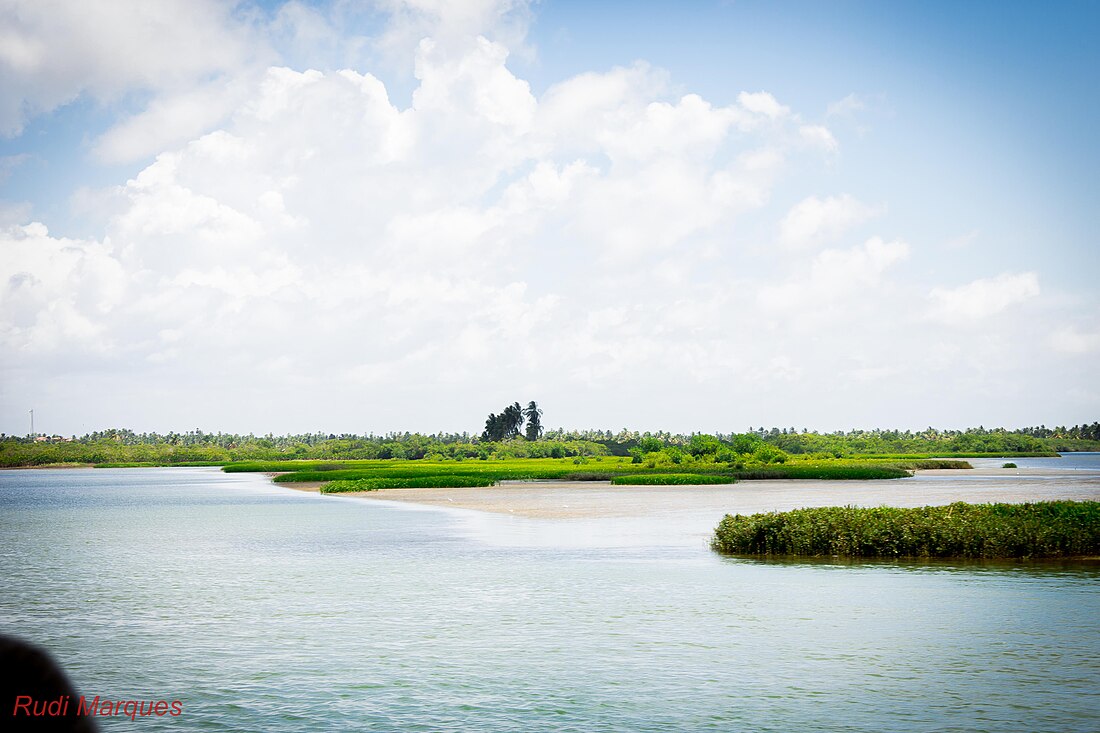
(267, 609)
(1085, 570)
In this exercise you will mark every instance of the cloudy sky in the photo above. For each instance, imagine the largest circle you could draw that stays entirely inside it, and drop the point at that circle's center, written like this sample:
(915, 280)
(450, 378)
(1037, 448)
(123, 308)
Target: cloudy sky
(402, 214)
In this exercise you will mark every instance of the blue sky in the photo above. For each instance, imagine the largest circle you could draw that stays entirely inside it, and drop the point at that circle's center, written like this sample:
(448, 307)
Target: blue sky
(830, 215)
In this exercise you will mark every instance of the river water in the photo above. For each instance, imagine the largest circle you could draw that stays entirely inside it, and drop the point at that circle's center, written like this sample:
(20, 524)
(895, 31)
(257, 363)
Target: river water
(262, 608)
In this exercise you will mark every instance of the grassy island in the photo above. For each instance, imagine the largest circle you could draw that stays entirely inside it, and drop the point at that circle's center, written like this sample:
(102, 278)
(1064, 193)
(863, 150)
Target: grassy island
(368, 475)
(1039, 530)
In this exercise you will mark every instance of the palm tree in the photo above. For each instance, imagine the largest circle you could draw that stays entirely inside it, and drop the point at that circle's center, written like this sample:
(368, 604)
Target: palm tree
(534, 424)
(494, 428)
(513, 420)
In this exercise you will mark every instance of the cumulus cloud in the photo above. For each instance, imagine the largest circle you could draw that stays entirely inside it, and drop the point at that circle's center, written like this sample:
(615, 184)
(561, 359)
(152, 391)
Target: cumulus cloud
(815, 220)
(453, 24)
(835, 275)
(169, 119)
(820, 137)
(763, 103)
(55, 294)
(473, 229)
(53, 51)
(982, 298)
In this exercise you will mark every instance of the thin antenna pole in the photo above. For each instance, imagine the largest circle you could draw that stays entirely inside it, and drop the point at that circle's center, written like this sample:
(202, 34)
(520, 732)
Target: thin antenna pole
(32, 423)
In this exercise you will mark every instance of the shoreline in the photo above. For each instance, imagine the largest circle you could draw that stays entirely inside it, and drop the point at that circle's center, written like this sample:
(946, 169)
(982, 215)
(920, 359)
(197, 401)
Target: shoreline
(572, 500)
(47, 466)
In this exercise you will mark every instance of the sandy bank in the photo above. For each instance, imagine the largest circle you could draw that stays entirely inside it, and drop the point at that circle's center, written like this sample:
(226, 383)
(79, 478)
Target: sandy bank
(314, 486)
(596, 499)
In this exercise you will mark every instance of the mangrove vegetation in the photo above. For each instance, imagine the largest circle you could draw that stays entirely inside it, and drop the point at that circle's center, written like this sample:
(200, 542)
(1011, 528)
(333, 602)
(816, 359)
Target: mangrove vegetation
(1051, 529)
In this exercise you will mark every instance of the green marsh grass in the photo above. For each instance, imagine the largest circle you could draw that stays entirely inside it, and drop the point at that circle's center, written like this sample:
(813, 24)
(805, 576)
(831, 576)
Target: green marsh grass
(671, 479)
(825, 470)
(566, 469)
(425, 482)
(960, 530)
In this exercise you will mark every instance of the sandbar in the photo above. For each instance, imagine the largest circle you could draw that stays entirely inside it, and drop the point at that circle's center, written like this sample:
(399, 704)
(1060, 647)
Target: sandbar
(599, 499)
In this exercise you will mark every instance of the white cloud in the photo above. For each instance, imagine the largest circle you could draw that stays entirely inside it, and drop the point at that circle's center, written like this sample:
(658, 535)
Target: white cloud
(982, 298)
(835, 275)
(479, 87)
(55, 294)
(815, 220)
(1071, 340)
(691, 127)
(820, 137)
(169, 120)
(52, 51)
(584, 112)
(453, 24)
(763, 103)
(321, 208)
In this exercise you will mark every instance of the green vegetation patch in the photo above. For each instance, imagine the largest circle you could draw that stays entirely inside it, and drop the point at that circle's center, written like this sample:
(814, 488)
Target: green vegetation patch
(1041, 529)
(668, 479)
(827, 470)
(588, 476)
(925, 464)
(423, 482)
(535, 469)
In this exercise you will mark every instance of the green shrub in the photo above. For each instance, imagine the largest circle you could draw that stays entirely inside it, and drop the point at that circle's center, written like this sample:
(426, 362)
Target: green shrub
(1009, 465)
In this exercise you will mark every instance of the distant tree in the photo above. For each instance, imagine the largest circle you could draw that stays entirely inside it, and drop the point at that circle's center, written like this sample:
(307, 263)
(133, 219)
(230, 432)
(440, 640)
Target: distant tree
(534, 423)
(494, 428)
(745, 442)
(703, 444)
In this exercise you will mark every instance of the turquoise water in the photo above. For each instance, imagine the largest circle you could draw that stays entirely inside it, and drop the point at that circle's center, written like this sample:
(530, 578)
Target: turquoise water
(267, 609)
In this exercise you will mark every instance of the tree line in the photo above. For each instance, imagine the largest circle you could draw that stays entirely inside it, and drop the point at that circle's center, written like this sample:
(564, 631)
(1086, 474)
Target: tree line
(518, 432)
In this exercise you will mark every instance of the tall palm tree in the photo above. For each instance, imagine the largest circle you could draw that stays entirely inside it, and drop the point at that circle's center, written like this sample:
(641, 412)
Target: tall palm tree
(494, 428)
(513, 420)
(534, 424)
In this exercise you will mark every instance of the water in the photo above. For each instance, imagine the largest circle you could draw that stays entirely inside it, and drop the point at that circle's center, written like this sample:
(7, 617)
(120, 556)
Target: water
(266, 609)
(1072, 462)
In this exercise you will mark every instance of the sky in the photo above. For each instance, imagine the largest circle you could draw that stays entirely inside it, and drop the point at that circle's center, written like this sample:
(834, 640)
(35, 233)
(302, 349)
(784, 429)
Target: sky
(401, 215)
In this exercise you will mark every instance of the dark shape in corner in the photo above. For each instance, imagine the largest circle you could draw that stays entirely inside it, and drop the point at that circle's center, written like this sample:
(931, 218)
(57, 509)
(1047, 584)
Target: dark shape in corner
(26, 670)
